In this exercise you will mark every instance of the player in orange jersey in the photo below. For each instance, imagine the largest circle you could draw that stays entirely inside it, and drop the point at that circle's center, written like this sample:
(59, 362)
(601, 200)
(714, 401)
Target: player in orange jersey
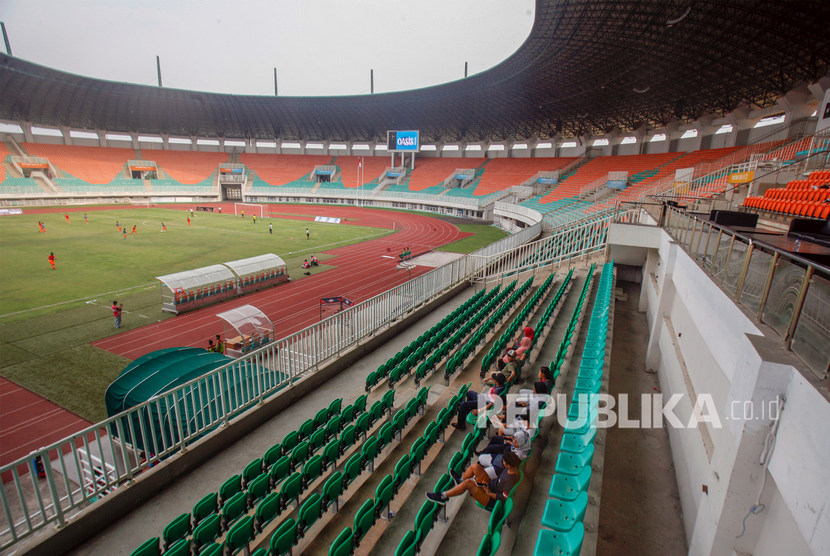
(52, 260)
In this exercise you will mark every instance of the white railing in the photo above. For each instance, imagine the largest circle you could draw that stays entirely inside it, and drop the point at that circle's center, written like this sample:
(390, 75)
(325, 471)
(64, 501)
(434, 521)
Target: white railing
(132, 441)
(517, 212)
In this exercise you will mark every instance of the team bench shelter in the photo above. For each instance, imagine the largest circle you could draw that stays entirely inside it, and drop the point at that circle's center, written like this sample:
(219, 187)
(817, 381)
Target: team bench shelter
(191, 289)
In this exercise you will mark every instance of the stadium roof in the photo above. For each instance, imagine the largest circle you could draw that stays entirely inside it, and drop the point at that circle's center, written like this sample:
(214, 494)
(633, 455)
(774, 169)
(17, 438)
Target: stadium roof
(587, 67)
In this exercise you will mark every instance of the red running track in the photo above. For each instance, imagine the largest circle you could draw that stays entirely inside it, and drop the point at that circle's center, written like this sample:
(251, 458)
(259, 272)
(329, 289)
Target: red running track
(360, 272)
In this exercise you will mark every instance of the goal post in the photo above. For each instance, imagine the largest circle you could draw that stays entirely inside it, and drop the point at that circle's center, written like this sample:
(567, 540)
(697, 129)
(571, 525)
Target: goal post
(260, 210)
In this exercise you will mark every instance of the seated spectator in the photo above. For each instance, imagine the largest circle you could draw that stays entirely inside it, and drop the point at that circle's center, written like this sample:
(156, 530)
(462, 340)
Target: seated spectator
(472, 402)
(545, 383)
(523, 343)
(220, 345)
(515, 439)
(305, 264)
(485, 485)
(509, 366)
(314, 261)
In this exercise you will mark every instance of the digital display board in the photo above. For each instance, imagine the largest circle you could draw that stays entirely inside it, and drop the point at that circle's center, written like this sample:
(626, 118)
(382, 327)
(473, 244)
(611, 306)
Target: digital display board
(402, 141)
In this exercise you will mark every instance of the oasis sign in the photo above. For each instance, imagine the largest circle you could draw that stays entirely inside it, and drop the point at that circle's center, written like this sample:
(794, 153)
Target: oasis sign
(402, 141)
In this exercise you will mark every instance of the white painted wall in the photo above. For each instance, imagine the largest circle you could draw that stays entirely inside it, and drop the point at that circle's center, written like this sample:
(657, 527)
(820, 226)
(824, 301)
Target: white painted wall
(701, 343)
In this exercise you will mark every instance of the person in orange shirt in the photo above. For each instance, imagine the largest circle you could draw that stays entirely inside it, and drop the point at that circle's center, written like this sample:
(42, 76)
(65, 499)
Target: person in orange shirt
(52, 260)
(133, 232)
(188, 221)
(66, 214)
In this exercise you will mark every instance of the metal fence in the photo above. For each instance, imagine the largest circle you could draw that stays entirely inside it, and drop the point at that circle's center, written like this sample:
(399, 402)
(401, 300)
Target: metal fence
(787, 292)
(86, 466)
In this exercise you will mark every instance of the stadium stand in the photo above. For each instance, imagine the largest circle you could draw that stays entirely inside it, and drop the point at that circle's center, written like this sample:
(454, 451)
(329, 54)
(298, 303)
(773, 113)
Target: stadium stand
(373, 167)
(282, 169)
(4, 152)
(95, 165)
(431, 172)
(501, 173)
(186, 167)
(810, 197)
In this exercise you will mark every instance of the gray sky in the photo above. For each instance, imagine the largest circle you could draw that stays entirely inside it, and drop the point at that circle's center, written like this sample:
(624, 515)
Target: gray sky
(319, 47)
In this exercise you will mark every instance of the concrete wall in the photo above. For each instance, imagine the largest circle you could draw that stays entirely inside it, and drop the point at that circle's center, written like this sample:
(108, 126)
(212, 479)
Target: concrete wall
(706, 349)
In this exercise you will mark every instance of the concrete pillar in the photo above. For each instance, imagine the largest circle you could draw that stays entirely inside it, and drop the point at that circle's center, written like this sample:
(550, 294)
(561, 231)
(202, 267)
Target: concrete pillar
(67, 135)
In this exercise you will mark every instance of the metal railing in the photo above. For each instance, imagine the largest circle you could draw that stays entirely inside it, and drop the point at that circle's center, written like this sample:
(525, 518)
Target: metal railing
(91, 463)
(785, 291)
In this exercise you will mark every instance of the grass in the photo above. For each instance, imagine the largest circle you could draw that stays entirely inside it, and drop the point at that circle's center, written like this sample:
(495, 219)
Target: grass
(484, 235)
(48, 318)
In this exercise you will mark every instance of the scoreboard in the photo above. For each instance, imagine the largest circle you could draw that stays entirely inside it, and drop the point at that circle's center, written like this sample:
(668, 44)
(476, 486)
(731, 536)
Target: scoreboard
(403, 141)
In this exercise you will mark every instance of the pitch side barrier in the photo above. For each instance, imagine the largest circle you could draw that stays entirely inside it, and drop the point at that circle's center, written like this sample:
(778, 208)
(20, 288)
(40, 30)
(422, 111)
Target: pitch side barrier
(83, 468)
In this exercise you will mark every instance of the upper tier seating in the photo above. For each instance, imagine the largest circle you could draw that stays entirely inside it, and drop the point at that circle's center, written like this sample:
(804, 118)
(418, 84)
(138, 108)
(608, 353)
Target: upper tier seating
(186, 167)
(4, 152)
(282, 169)
(501, 173)
(810, 197)
(373, 167)
(599, 167)
(430, 172)
(97, 165)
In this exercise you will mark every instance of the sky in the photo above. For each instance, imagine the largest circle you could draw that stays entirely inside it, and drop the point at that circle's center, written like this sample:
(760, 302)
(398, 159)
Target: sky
(319, 47)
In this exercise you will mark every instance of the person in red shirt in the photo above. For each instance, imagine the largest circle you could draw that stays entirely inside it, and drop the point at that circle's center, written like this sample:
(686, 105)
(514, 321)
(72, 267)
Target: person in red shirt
(52, 260)
(116, 312)
(66, 214)
(188, 221)
(133, 232)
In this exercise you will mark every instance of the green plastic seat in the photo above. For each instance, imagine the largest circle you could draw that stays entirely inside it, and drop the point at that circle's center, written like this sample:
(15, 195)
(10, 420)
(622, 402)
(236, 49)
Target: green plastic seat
(290, 441)
(343, 544)
(317, 440)
(384, 493)
(271, 456)
(267, 510)
(240, 534)
(309, 513)
(411, 408)
(362, 424)
(577, 443)
(424, 521)
(280, 470)
(150, 547)
(562, 515)
(299, 454)
(353, 467)
(431, 433)
(330, 453)
(181, 548)
(388, 401)
(207, 531)
(284, 538)
(385, 435)
(402, 471)
(375, 412)
(321, 417)
(369, 452)
(371, 379)
(573, 464)
(347, 415)
(291, 489)
(360, 404)
(416, 454)
(312, 469)
(407, 545)
(306, 429)
(557, 542)
(334, 407)
(347, 438)
(213, 549)
(258, 489)
(252, 471)
(177, 529)
(456, 463)
(332, 489)
(443, 483)
(205, 507)
(333, 426)
(234, 508)
(229, 488)
(422, 395)
(363, 520)
(399, 421)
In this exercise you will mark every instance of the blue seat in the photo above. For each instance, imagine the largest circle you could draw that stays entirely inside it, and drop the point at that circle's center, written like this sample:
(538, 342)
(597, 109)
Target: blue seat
(562, 515)
(568, 487)
(557, 542)
(572, 464)
(577, 443)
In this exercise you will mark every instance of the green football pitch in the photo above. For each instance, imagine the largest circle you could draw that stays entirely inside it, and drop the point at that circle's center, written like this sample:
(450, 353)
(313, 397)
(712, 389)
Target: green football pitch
(49, 317)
